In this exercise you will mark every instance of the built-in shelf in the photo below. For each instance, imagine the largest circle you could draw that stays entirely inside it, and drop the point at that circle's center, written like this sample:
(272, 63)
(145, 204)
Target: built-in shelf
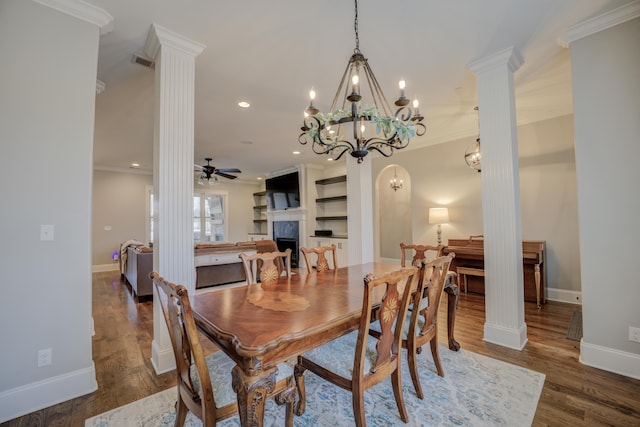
(259, 221)
(333, 180)
(331, 199)
(260, 207)
(331, 218)
(260, 193)
(259, 213)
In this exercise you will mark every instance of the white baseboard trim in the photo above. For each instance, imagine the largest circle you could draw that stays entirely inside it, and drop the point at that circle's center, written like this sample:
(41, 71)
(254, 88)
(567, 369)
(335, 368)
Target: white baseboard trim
(162, 359)
(42, 394)
(562, 295)
(506, 337)
(99, 268)
(610, 359)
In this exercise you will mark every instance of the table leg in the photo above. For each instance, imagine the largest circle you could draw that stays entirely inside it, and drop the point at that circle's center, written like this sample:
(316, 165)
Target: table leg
(453, 292)
(252, 394)
(536, 275)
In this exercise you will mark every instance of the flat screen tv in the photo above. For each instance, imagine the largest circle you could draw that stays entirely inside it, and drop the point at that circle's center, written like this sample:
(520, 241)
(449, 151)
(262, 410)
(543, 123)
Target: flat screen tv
(283, 192)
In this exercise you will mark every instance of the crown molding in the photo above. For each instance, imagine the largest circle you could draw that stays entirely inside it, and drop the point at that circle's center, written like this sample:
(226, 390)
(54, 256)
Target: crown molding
(160, 36)
(82, 10)
(599, 23)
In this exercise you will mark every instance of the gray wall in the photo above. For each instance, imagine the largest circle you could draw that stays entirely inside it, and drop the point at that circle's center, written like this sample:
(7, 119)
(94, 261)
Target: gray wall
(47, 104)
(607, 121)
(119, 201)
(439, 177)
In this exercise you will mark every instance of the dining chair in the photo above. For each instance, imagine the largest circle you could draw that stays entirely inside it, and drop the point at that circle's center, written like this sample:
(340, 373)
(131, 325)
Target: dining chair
(322, 264)
(204, 383)
(425, 252)
(267, 266)
(421, 327)
(356, 363)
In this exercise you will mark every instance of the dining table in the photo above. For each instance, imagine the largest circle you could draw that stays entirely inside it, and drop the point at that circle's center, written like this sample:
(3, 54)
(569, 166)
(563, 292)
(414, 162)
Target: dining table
(264, 324)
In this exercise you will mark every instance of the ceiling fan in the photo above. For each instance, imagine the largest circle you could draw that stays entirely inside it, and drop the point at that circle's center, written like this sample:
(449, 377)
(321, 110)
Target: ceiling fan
(209, 171)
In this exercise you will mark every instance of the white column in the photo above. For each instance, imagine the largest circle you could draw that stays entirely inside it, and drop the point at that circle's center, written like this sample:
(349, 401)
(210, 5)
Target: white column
(173, 256)
(504, 286)
(360, 210)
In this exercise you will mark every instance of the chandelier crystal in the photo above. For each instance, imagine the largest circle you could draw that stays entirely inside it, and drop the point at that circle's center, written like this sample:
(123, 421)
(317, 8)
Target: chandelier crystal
(472, 155)
(373, 126)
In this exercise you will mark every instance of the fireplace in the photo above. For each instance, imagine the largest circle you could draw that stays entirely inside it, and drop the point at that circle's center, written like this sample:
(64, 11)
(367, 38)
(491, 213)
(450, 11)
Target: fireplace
(286, 235)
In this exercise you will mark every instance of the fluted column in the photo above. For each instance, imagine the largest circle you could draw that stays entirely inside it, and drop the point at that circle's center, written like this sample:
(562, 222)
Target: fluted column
(173, 256)
(504, 286)
(360, 210)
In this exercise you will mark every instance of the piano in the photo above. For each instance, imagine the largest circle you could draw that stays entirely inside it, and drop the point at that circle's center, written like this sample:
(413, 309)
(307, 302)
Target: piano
(470, 253)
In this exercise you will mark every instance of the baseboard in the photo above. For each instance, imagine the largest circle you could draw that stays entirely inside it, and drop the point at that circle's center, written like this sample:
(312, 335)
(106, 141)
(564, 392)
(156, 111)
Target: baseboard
(162, 359)
(42, 394)
(562, 295)
(99, 268)
(610, 359)
(506, 337)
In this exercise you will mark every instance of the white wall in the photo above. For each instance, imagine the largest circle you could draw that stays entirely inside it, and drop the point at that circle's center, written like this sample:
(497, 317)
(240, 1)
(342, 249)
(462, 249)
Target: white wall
(440, 177)
(606, 84)
(48, 69)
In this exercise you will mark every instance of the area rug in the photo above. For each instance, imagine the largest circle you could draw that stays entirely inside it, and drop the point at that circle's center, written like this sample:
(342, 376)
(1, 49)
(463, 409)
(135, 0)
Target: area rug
(575, 327)
(475, 391)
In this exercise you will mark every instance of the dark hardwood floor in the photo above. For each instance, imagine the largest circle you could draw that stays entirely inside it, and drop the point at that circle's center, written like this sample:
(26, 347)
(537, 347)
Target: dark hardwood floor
(573, 394)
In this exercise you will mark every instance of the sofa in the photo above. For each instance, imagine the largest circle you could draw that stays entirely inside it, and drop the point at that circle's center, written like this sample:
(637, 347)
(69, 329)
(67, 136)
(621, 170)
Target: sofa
(215, 264)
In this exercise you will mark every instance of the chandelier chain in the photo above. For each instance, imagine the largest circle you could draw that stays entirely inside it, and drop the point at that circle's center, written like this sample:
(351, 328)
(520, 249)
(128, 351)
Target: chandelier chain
(355, 27)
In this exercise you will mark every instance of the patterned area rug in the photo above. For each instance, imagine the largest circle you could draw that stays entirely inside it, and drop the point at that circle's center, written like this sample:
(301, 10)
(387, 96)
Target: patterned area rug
(475, 391)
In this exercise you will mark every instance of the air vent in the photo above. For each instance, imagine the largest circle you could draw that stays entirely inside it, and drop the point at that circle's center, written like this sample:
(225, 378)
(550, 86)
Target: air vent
(145, 62)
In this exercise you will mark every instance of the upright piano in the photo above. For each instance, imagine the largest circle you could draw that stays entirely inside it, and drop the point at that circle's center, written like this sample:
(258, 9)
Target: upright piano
(470, 253)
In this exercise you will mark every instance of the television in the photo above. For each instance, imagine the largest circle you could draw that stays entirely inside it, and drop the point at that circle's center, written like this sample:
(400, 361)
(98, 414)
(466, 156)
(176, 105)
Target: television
(283, 192)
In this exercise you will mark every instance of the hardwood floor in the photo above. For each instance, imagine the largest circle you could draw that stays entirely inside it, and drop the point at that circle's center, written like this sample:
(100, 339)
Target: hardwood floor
(573, 394)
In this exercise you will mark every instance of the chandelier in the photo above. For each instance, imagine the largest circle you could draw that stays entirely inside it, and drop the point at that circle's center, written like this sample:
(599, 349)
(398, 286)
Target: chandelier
(472, 155)
(374, 127)
(395, 183)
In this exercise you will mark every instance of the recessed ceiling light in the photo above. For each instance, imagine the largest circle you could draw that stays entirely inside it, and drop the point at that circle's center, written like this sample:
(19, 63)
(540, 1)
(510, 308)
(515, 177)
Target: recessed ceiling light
(259, 178)
(246, 142)
(329, 159)
(296, 152)
(244, 104)
(135, 165)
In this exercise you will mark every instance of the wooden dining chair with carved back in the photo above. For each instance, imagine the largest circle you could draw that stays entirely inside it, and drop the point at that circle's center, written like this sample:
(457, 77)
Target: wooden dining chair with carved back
(421, 327)
(266, 266)
(322, 263)
(204, 383)
(356, 362)
(421, 252)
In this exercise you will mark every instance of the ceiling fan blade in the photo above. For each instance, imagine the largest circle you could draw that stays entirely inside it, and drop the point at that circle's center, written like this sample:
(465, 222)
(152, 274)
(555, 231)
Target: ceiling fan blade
(226, 175)
(228, 170)
(197, 166)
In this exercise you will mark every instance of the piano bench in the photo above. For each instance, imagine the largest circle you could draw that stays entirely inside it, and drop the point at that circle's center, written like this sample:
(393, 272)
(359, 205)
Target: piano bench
(464, 271)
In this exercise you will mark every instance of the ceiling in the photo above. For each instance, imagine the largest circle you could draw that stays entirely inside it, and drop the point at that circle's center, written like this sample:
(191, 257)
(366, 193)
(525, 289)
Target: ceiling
(270, 53)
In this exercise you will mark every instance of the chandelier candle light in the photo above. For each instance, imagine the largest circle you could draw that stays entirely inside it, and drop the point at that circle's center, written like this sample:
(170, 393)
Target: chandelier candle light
(374, 127)
(395, 184)
(473, 156)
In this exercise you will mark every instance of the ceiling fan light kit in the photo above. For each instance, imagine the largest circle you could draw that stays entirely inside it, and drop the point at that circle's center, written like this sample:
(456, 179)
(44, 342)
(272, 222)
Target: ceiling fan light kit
(374, 127)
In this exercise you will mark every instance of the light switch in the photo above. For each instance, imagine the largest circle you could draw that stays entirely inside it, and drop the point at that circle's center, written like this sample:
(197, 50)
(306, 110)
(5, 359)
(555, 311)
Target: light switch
(46, 232)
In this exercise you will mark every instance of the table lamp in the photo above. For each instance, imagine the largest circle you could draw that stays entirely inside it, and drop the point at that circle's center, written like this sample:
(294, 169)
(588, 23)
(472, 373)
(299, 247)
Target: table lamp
(439, 216)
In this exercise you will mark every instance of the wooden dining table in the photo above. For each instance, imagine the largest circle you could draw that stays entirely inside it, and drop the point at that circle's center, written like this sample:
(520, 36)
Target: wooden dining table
(261, 325)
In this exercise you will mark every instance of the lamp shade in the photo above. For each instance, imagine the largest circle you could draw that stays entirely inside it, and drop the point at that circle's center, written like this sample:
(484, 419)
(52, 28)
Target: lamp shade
(438, 215)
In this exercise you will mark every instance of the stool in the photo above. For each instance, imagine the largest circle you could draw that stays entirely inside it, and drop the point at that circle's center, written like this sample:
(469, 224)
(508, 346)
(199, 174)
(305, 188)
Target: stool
(464, 271)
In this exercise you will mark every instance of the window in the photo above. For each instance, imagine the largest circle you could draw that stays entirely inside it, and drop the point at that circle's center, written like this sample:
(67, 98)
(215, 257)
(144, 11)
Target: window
(209, 224)
(209, 216)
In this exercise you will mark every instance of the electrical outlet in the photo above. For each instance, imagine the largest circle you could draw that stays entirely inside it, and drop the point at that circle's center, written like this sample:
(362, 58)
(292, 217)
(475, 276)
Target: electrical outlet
(634, 334)
(44, 357)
